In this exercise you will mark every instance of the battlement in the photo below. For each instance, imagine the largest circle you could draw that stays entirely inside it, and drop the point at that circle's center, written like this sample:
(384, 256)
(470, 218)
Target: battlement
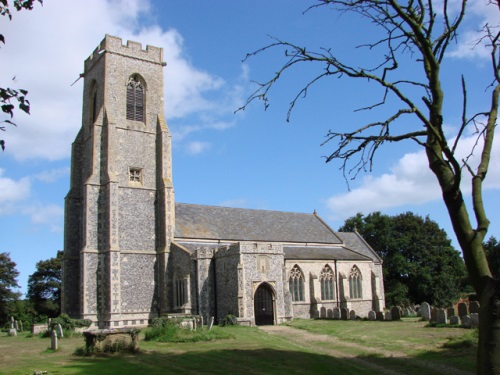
(113, 44)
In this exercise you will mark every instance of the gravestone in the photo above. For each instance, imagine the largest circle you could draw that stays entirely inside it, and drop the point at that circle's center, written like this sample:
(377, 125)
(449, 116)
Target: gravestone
(474, 307)
(12, 323)
(425, 311)
(450, 311)
(329, 313)
(16, 325)
(465, 321)
(344, 313)
(441, 317)
(12, 332)
(211, 323)
(372, 315)
(387, 315)
(322, 312)
(380, 315)
(434, 312)
(474, 320)
(454, 319)
(395, 313)
(462, 309)
(53, 340)
(336, 313)
(59, 331)
(352, 315)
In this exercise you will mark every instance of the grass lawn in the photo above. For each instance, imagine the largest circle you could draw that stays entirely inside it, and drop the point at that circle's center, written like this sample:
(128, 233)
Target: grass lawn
(254, 351)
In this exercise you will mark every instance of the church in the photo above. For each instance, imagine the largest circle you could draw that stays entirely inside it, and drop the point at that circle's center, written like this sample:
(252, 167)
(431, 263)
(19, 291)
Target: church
(131, 253)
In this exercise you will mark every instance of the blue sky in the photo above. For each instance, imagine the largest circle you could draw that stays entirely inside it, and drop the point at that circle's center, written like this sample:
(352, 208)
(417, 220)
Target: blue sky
(251, 159)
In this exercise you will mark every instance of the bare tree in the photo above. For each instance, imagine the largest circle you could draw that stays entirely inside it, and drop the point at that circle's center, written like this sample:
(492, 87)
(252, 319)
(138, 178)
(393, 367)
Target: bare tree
(421, 31)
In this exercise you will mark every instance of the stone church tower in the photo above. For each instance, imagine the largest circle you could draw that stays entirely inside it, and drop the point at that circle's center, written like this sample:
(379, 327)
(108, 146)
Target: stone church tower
(120, 208)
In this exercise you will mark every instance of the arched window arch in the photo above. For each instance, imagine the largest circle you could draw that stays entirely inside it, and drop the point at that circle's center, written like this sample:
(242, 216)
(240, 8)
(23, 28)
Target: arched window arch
(296, 284)
(180, 290)
(327, 283)
(135, 98)
(355, 283)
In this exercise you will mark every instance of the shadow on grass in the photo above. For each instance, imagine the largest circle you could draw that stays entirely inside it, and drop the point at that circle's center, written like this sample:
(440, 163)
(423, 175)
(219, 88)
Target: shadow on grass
(262, 361)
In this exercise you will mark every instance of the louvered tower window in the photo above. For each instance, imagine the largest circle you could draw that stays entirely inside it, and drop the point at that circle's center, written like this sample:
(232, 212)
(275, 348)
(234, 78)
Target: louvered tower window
(135, 99)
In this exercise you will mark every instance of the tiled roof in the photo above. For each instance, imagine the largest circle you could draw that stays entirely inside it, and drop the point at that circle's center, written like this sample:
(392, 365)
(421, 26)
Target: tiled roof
(321, 253)
(237, 224)
(356, 243)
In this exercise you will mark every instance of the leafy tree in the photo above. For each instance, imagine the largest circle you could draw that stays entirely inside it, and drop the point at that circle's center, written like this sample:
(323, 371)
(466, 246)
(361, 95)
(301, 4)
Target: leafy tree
(492, 249)
(8, 282)
(420, 264)
(7, 94)
(413, 39)
(44, 286)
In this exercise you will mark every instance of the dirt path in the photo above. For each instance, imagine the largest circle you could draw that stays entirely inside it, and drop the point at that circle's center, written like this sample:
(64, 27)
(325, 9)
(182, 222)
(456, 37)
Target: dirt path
(316, 343)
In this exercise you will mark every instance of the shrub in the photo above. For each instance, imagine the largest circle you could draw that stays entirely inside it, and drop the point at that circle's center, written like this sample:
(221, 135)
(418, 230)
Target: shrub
(229, 320)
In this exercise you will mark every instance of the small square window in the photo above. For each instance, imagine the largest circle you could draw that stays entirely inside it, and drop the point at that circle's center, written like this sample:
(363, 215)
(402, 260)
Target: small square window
(135, 176)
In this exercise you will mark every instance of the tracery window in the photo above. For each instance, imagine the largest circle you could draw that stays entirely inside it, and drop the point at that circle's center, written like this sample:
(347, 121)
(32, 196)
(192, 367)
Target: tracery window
(355, 283)
(135, 99)
(180, 291)
(327, 284)
(296, 284)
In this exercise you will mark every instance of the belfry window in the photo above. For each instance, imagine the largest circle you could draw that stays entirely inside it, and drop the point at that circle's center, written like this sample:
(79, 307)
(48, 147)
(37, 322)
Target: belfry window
(296, 284)
(135, 176)
(355, 283)
(326, 280)
(135, 99)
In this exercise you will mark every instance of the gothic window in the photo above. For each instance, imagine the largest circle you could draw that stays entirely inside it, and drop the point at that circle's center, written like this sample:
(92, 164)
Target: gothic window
(327, 283)
(296, 284)
(355, 283)
(180, 291)
(135, 99)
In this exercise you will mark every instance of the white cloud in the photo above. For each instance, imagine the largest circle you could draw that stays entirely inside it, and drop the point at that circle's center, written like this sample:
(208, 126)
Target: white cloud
(53, 174)
(12, 191)
(197, 147)
(51, 215)
(49, 61)
(410, 182)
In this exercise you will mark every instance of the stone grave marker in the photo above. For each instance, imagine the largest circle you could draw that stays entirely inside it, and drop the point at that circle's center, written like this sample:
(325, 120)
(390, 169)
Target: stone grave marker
(454, 319)
(395, 313)
(211, 323)
(462, 309)
(450, 311)
(387, 315)
(352, 315)
(380, 315)
(465, 321)
(53, 340)
(336, 313)
(441, 317)
(425, 311)
(59, 331)
(372, 315)
(474, 320)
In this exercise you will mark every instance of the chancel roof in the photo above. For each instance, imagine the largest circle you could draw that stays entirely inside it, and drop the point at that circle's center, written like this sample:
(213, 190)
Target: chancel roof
(237, 224)
(322, 253)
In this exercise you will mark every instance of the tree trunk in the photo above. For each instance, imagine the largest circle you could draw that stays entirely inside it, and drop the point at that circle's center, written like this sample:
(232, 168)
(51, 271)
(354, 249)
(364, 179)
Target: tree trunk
(488, 356)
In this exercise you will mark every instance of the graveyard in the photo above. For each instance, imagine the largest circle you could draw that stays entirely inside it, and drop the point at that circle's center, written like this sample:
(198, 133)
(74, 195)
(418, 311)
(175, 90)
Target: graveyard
(408, 345)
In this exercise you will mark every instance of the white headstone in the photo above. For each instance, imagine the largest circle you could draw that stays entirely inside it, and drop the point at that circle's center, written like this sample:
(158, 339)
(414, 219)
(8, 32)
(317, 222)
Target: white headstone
(425, 311)
(53, 340)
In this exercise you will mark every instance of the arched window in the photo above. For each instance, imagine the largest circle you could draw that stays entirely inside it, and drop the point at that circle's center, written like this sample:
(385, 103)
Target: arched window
(180, 291)
(355, 283)
(296, 284)
(135, 99)
(327, 282)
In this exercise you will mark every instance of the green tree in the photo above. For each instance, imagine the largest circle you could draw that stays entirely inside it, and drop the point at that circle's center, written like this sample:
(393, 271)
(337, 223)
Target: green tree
(413, 38)
(8, 284)
(9, 95)
(492, 249)
(420, 264)
(44, 286)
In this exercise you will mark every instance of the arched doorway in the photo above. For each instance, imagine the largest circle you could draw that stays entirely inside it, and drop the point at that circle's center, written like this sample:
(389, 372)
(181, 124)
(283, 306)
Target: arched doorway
(264, 305)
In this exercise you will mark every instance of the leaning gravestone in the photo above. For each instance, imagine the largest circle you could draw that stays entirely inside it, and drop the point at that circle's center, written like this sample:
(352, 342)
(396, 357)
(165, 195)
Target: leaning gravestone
(352, 315)
(380, 315)
(465, 321)
(336, 313)
(59, 331)
(474, 307)
(425, 311)
(344, 313)
(211, 323)
(474, 320)
(395, 313)
(462, 309)
(372, 315)
(53, 340)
